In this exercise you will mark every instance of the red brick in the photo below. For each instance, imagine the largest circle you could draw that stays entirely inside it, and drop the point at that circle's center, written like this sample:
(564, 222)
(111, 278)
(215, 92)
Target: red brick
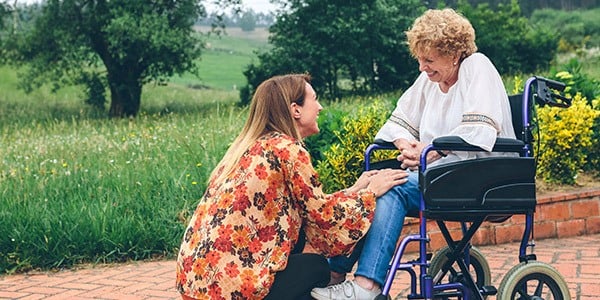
(453, 225)
(585, 208)
(12, 295)
(517, 219)
(570, 228)
(436, 241)
(510, 233)
(484, 236)
(556, 211)
(410, 228)
(592, 225)
(590, 290)
(544, 230)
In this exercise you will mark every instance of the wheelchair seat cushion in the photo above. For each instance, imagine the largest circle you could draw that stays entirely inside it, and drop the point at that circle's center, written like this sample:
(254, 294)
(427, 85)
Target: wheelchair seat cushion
(487, 186)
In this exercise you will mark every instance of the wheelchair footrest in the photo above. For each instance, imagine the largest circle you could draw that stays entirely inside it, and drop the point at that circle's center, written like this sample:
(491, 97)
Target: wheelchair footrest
(444, 295)
(488, 290)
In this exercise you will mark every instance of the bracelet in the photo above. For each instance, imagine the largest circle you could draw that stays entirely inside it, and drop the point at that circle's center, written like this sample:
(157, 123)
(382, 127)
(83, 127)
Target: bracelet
(441, 153)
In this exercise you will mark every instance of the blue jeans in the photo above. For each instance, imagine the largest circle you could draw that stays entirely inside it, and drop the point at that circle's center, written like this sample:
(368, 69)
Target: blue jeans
(376, 249)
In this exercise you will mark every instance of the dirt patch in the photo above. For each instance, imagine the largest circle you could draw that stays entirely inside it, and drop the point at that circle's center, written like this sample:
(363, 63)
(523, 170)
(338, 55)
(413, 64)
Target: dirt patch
(583, 181)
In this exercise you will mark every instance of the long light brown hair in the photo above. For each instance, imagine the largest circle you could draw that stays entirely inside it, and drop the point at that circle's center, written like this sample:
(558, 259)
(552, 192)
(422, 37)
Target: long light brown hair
(270, 110)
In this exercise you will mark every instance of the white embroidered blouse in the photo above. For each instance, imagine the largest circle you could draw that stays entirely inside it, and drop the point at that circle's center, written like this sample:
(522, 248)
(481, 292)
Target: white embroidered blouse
(475, 108)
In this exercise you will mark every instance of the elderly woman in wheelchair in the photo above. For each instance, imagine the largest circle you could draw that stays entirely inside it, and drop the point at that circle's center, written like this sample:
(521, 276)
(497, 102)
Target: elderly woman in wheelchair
(456, 111)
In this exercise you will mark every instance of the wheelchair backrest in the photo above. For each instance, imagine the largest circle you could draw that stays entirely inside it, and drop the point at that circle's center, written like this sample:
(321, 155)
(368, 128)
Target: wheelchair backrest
(516, 110)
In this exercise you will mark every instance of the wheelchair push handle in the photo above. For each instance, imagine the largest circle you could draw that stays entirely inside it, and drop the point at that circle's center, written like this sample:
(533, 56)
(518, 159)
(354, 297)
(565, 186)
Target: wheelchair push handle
(545, 94)
(553, 84)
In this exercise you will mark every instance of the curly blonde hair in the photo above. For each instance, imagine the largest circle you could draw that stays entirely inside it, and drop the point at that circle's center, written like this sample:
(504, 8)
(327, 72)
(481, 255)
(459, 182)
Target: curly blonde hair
(444, 30)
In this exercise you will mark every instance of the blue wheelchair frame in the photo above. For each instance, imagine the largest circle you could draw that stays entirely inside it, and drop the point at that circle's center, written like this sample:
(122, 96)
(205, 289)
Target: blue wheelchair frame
(516, 194)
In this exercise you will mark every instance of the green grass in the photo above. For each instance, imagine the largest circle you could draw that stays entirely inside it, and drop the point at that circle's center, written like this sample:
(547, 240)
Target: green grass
(104, 190)
(78, 187)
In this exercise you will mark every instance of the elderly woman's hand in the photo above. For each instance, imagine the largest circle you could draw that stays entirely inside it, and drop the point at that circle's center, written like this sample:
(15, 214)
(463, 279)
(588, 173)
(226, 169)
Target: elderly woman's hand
(410, 154)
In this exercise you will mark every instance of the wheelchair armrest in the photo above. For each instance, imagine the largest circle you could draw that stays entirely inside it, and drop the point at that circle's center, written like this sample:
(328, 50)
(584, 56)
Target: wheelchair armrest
(382, 145)
(457, 144)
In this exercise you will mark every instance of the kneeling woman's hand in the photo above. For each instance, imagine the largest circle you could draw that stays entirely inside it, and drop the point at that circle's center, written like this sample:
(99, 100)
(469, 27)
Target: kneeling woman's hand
(379, 181)
(385, 179)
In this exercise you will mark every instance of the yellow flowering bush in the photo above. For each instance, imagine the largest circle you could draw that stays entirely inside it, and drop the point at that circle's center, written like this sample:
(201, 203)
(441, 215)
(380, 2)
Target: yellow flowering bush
(342, 163)
(577, 82)
(569, 139)
(593, 157)
(565, 140)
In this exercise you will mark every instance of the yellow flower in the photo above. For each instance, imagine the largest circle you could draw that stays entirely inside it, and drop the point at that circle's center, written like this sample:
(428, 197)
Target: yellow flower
(564, 75)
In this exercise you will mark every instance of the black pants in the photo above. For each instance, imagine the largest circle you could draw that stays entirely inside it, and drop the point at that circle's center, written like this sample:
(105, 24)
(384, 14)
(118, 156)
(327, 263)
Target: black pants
(304, 272)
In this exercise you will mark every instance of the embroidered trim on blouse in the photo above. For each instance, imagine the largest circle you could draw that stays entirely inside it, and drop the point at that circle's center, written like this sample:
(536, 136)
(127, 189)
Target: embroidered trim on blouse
(478, 118)
(402, 123)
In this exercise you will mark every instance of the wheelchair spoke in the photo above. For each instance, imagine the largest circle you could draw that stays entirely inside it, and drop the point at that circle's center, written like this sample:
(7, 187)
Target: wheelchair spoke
(539, 288)
(522, 291)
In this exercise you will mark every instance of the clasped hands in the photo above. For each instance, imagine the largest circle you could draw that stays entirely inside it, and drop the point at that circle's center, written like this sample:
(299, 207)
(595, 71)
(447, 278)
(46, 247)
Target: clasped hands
(410, 153)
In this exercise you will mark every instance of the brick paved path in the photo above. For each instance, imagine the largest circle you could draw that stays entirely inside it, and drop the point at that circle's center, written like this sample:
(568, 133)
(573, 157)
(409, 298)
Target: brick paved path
(576, 258)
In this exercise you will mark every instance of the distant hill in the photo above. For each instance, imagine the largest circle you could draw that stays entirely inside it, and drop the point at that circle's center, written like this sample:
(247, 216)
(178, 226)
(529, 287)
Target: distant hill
(223, 61)
(260, 34)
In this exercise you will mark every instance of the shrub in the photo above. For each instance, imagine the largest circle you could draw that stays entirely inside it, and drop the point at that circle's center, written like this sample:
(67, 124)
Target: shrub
(579, 83)
(576, 80)
(343, 161)
(506, 37)
(565, 140)
(330, 122)
(576, 28)
(592, 163)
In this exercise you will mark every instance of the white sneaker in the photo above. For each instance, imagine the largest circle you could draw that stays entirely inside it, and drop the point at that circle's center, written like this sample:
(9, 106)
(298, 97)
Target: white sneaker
(347, 290)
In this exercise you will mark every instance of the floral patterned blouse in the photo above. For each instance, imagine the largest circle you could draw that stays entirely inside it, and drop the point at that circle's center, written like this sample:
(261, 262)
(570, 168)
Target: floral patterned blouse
(243, 230)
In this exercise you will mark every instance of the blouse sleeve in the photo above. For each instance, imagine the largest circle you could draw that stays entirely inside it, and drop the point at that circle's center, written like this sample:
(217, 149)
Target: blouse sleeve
(333, 223)
(406, 117)
(486, 111)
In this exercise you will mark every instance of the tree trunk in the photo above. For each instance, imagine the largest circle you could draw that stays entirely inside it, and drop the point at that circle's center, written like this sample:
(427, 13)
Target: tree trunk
(125, 98)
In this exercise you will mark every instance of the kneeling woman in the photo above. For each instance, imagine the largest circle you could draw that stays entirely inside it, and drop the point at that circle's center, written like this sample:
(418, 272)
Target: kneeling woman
(246, 237)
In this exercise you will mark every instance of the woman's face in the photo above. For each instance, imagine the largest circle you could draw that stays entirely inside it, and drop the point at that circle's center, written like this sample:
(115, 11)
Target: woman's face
(307, 114)
(439, 68)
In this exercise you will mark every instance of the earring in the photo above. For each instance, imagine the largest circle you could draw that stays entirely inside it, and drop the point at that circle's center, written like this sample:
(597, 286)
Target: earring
(455, 63)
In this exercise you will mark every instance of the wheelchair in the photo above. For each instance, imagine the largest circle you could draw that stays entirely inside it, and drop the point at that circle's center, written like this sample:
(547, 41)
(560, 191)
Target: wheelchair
(472, 192)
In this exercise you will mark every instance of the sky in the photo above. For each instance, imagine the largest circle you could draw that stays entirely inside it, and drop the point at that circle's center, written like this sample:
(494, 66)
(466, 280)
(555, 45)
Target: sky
(259, 5)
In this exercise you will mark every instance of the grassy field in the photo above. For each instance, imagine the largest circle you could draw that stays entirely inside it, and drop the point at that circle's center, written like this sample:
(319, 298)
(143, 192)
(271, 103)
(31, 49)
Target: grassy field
(78, 187)
(225, 58)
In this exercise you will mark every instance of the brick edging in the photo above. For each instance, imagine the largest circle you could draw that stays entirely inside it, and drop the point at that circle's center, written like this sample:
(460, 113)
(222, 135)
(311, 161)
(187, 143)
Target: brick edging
(558, 215)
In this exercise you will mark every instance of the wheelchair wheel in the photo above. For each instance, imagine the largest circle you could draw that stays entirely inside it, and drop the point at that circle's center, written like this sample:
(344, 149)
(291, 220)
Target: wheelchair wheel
(480, 269)
(533, 280)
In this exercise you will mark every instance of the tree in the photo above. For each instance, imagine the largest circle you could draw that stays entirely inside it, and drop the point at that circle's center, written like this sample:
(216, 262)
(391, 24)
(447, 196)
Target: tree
(121, 44)
(5, 11)
(248, 21)
(337, 41)
(507, 38)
